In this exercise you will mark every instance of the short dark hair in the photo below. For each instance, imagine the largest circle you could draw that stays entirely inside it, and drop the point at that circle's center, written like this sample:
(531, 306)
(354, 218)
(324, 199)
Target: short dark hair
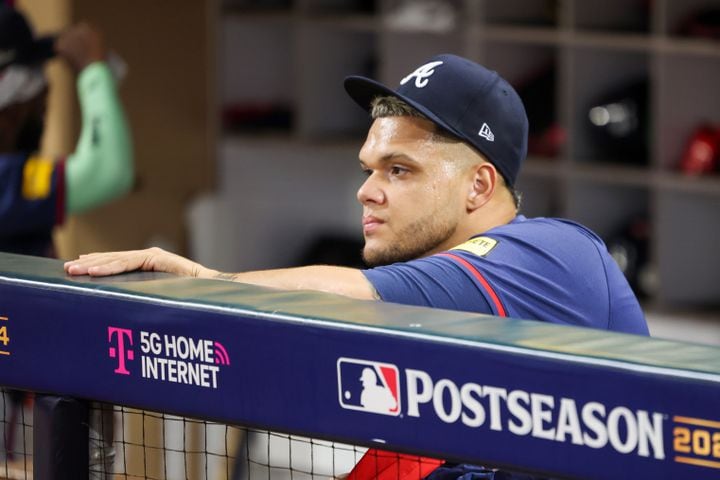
(388, 106)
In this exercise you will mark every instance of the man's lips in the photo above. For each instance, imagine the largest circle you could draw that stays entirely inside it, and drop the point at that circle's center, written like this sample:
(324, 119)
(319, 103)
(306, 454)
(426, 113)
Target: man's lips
(370, 224)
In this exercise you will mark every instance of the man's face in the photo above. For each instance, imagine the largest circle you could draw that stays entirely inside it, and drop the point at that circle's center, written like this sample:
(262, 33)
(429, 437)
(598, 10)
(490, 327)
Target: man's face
(414, 197)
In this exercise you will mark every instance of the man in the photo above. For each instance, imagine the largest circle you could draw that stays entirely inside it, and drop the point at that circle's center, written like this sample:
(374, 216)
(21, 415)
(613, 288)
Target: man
(440, 215)
(36, 192)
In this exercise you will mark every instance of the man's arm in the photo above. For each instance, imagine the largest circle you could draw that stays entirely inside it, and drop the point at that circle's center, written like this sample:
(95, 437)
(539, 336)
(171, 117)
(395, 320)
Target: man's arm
(101, 168)
(349, 282)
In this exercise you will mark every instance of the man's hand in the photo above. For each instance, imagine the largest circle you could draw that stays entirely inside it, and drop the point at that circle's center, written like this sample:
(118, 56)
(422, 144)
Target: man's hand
(149, 260)
(81, 45)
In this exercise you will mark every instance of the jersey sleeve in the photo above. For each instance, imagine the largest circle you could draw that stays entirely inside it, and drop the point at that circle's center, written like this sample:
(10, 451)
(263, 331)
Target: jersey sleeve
(32, 194)
(437, 281)
(101, 167)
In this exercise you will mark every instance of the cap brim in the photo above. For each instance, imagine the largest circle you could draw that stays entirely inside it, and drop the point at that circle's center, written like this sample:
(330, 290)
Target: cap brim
(363, 90)
(39, 51)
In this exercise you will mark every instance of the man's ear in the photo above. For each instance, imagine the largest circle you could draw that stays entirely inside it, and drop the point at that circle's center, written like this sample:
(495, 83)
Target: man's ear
(484, 182)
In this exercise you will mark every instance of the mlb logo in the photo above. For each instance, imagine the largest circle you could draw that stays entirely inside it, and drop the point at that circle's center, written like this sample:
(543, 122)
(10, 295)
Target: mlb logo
(368, 386)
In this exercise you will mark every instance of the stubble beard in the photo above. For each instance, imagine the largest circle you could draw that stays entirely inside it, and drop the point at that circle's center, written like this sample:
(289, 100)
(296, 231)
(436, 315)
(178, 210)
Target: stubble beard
(414, 241)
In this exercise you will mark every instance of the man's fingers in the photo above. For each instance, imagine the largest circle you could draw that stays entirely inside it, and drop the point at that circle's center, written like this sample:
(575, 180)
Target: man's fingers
(84, 265)
(72, 268)
(108, 268)
(102, 264)
(112, 263)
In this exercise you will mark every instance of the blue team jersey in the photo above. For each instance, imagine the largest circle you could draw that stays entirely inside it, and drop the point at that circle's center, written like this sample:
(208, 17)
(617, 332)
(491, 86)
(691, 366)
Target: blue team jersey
(32, 201)
(544, 269)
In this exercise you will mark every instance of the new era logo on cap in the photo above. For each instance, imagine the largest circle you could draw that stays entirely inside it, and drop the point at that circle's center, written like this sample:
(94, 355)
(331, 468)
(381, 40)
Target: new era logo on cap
(486, 133)
(368, 386)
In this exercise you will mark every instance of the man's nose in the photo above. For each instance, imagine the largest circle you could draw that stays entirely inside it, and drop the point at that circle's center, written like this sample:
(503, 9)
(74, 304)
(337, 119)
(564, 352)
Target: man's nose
(370, 192)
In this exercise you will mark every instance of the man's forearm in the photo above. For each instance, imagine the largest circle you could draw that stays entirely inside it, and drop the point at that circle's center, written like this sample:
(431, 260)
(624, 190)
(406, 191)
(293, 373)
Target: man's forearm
(101, 168)
(349, 282)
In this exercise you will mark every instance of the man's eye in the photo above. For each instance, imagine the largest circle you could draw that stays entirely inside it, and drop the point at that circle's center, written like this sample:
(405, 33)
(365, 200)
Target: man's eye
(367, 172)
(397, 170)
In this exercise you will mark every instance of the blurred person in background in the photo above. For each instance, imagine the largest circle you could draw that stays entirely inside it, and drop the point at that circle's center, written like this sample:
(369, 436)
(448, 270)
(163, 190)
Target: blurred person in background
(37, 191)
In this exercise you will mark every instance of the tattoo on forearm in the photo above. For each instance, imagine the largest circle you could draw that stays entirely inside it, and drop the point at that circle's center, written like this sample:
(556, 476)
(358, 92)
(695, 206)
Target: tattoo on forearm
(227, 276)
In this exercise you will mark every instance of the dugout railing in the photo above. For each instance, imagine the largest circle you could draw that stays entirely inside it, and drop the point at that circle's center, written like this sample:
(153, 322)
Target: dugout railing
(527, 396)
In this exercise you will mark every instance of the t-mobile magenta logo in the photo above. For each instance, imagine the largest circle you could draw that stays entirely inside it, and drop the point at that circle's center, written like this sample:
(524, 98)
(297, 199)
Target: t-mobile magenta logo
(122, 352)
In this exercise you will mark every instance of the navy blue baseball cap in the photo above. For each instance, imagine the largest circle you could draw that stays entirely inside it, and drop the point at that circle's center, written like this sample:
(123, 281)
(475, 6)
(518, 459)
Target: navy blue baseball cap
(18, 45)
(473, 103)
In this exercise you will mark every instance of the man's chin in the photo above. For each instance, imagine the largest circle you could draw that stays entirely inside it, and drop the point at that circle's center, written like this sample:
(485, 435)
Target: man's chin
(377, 257)
(374, 257)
